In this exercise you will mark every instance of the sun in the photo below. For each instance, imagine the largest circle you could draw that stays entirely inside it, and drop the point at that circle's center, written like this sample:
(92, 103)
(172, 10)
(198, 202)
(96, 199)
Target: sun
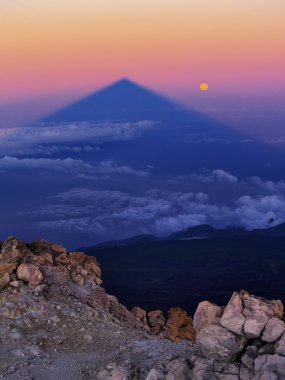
(204, 86)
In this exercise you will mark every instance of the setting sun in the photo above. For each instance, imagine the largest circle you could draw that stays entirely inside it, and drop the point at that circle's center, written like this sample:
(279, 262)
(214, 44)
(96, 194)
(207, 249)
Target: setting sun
(204, 86)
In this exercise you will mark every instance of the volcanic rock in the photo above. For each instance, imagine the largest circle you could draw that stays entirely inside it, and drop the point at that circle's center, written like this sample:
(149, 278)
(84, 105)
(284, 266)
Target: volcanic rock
(30, 273)
(207, 313)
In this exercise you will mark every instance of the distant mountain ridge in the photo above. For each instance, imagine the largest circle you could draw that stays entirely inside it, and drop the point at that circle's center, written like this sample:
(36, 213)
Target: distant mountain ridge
(203, 231)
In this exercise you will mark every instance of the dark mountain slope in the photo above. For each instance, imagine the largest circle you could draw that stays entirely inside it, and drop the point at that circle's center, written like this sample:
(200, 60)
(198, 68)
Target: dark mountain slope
(182, 272)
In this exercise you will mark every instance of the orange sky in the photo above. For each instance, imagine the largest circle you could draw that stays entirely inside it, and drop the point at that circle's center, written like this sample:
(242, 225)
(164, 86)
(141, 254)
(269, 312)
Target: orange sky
(49, 46)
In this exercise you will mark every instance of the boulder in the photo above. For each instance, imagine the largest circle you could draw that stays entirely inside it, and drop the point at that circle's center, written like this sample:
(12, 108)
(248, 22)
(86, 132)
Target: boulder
(30, 273)
(216, 342)
(232, 317)
(207, 313)
(272, 308)
(273, 330)
(258, 312)
(56, 275)
(255, 323)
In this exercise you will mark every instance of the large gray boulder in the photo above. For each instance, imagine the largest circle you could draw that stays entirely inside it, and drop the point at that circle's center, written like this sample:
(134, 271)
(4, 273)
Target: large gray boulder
(207, 313)
(232, 318)
(273, 330)
(216, 342)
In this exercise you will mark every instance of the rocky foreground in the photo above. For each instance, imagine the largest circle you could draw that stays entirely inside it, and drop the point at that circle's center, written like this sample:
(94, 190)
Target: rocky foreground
(56, 321)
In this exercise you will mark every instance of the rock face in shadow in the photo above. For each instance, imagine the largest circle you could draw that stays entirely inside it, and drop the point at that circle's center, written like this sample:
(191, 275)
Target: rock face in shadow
(56, 321)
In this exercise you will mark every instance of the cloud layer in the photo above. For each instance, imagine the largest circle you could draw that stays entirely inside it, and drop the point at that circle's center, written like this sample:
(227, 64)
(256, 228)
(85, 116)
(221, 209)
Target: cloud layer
(69, 165)
(162, 212)
(51, 138)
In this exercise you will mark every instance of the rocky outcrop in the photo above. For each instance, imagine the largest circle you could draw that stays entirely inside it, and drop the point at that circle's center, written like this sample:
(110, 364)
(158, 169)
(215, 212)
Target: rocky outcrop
(51, 299)
(175, 326)
(42, 262)
(248, 334)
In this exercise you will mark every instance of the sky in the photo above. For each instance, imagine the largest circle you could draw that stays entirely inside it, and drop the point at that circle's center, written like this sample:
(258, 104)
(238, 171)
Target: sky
(53, 46)
(84, 181)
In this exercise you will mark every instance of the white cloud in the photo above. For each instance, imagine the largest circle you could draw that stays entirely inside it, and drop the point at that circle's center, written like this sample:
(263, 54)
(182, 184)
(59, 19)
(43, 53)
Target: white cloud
(155, 211)
(36, 138)
(217, 175)
(69, 165)
(268, 186)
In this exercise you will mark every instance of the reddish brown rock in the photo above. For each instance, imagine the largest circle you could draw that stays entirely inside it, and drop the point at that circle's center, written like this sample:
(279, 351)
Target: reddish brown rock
(13, 250)
(179, 326)
(156, 321)
(57, 249)
(4, 281)
(41, 260)
(62, 259)
(140, 314)
(6, 267)
(91, 266)
(56, 275)
(77, 258)
(42, 246)
(30, 273)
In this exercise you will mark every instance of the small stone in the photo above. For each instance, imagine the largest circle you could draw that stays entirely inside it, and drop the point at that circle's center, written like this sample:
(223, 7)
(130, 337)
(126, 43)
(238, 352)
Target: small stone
(55, 319)
(15, 284)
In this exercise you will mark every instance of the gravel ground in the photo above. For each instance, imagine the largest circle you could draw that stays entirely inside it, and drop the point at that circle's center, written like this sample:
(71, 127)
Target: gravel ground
(54, 336)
